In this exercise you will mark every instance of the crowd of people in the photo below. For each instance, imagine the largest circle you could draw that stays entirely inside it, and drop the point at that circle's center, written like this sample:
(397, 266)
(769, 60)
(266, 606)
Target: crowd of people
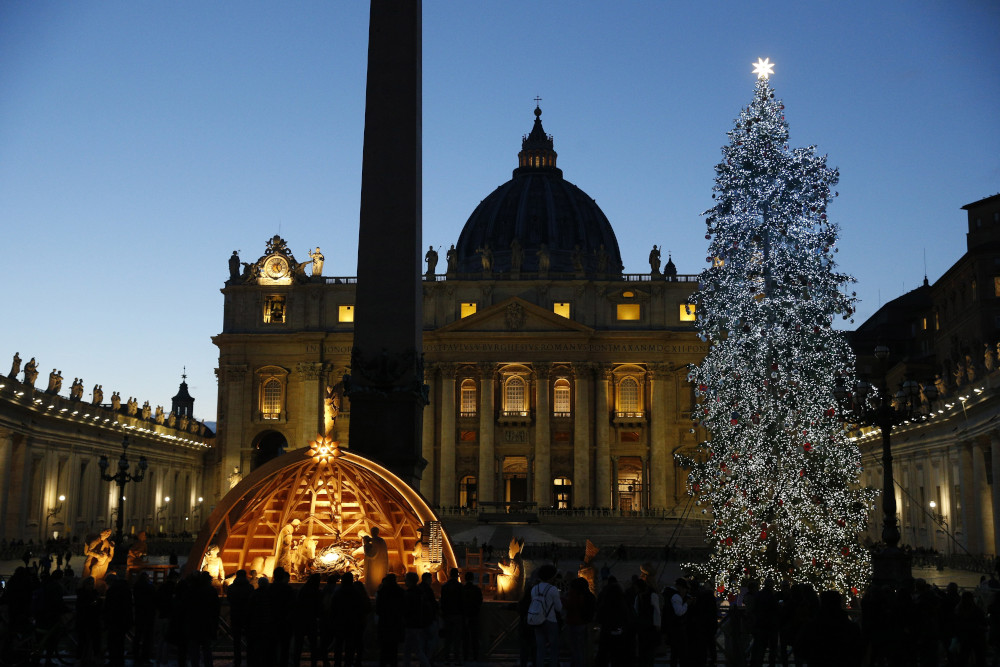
(267, 622)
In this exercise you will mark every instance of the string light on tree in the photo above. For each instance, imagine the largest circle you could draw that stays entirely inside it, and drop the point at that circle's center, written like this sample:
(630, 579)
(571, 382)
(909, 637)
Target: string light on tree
(779, 475)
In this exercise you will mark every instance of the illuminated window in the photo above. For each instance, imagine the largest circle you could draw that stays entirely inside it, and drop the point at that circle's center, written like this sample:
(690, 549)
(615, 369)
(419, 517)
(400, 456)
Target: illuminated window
(996, 285)
(514, 395)
(628, 397)
(925, 324)
(974, 290)
(628, 295)
(345, 314)
(561, 398)
(274, 310)
(468, 309)
(562, 489)
(468, 492)
(468, 398)
(628, 311)
(937, 321)
(270, 399)
(561, 309)
(687, 312)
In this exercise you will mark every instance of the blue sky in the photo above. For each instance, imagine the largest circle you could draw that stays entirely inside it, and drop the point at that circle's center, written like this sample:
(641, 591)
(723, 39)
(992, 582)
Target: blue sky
(141, 143)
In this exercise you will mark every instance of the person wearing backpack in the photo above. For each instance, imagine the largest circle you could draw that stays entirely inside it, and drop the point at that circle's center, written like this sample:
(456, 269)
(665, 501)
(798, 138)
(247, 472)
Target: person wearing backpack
(543, 616)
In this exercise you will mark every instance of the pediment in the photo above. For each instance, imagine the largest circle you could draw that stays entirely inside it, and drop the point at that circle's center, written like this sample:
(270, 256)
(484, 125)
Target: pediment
(515, 315)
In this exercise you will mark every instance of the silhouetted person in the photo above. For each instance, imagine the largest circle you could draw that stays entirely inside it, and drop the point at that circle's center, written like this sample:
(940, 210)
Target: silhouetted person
(547, 634)
(432, 631)
(416, 619)
(452, 611)
(762, 616)
(472, 605)
(308, 609)
(118, 619)
(327, 626)
(580, 606)
(282, 602)
(612, 616)
(261, 637)
(389, 602)
(831, 639)
(970, 630)
(345, 606)
(202, 615)
(238, 594)
(88, 623)
(144, 596)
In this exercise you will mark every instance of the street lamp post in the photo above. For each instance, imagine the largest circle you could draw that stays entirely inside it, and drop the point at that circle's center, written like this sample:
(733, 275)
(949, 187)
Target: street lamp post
(121, 478)
(876, 406)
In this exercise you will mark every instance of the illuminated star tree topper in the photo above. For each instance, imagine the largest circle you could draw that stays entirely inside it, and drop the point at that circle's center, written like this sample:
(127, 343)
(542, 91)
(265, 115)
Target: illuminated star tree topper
(763, 68)
(778, 476)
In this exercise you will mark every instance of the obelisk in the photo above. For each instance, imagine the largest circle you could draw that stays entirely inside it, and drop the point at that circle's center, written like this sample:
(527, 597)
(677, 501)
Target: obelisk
(386, 386)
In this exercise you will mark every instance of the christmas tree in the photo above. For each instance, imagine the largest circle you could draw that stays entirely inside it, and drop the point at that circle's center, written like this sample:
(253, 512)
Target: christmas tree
(778, 477)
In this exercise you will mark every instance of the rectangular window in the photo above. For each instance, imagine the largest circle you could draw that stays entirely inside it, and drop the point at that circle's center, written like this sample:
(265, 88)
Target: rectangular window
(468, 400)
(996, 285)
(687, 312)
(345, 314)
(925, 324)
(561, 308)
(468, 309)
(628, 311)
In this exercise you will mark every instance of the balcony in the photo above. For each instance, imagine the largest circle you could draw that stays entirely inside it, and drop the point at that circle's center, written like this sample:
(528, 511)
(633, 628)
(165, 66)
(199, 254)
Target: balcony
(514, 417)
(634, 418)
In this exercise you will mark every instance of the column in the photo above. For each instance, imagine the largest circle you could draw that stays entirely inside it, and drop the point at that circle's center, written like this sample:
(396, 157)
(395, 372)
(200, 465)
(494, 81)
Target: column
(448, 434)
(602, 426)
(6, 449)
(487, 463)
(427, 437)
(661, 467)
(995, 500)
(984, 505)
(971, 525)
(615, 502)
(584, 376)
(543, 438)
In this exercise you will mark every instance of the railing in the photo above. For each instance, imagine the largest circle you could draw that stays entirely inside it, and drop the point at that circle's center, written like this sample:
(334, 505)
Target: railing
(523, 275)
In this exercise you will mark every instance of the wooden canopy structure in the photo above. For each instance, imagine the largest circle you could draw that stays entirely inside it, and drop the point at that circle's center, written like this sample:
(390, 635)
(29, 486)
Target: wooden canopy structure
(337, 498)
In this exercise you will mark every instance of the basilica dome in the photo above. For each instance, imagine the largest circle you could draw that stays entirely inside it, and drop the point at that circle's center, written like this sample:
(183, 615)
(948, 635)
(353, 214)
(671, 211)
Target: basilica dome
(538, 215)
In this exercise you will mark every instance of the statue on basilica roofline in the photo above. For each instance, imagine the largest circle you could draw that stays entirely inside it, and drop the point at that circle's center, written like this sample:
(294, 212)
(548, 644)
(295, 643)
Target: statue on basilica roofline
(452, 258)
(146, 410)
(234, 266)
(970, 368)
(131, 406)
(76, 389)
(959, 373)
(654, 261)
(486, 257)
(171, 419)
(55, 382)
(30, 373)
(940, 385)
(158, 416)
(116, 401)
(317, 262)
(15, 367)
(544, 259)
(516, 255)
(98, 394)
(431, 257)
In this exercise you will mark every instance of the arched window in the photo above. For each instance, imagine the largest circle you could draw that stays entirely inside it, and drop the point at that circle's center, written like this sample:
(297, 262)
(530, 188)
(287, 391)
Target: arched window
(468, 398)
(468, 492)
(561, 398)
(562, 491)
(270, 399)
(628, 397)
(515, 395)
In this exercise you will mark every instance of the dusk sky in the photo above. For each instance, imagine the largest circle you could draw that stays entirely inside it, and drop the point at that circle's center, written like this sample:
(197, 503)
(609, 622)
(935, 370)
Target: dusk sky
(142, 142)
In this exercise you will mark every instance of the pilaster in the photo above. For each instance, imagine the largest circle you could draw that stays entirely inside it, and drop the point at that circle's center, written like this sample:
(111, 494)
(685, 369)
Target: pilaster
(543, 437)
(448, 444)
(584, 377)
(602, 427)
(971, 523)
(661, 381)
(487, 455)
(427, 436)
